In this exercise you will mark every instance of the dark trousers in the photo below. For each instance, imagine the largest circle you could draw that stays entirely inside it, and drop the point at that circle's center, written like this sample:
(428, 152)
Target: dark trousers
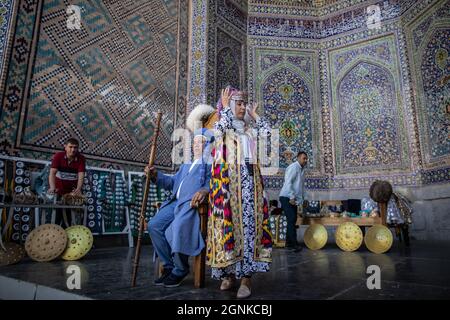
(59, 218)
(290, 212)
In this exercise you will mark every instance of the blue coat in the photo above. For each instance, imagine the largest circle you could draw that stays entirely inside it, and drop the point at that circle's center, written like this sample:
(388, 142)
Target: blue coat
(184, 234)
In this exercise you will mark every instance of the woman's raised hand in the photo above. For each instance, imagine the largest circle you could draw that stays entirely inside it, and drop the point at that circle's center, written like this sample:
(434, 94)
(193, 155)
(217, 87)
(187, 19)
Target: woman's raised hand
(226, 97)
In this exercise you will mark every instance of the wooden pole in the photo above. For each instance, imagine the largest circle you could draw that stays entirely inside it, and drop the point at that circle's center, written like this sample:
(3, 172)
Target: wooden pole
(151, 160)
(383, 213)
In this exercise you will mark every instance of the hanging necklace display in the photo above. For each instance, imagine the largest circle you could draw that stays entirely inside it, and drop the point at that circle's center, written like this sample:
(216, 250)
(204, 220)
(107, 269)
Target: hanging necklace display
(93, 219)
(119, 216)
(117, 221)
(135, 201)
(21, 195)
(26, 197)
(104, 194)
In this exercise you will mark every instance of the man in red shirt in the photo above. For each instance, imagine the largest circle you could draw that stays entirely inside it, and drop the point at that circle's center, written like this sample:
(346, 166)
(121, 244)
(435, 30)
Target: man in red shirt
(67, 172)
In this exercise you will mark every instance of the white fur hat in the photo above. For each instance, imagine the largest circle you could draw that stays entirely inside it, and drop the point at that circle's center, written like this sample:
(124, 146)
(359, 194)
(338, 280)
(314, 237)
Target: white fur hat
(198, 116)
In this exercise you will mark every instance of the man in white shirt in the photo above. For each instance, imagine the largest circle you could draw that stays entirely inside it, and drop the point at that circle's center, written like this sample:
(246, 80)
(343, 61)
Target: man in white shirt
(293, 194)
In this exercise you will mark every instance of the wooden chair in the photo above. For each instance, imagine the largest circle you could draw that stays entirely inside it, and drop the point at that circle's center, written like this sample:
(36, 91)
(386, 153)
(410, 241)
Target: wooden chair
(200, 260)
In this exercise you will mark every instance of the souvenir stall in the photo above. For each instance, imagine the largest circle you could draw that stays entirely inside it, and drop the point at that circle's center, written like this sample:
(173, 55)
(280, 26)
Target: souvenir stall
(384, 209)
(28, 212)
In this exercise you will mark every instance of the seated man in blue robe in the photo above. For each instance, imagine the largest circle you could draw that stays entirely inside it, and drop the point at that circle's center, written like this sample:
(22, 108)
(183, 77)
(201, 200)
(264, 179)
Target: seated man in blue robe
(175, 229)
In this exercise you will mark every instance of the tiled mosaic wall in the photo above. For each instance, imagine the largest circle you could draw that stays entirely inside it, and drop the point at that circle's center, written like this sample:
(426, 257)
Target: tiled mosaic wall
(101, 84)
(365, 103)
(227, 42)
(429, 49)
(367, 107)
(6, 21)
(286, 84)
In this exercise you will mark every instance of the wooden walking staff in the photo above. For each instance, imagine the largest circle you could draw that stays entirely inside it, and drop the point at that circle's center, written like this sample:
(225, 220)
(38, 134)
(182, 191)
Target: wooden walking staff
(151, 160)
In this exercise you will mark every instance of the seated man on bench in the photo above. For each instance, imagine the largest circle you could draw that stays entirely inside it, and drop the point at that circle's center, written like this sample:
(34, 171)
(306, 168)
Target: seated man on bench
(175, 229)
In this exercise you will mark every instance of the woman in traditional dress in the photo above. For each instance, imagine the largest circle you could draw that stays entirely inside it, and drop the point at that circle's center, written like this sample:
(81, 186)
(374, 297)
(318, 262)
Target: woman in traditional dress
(239, 241)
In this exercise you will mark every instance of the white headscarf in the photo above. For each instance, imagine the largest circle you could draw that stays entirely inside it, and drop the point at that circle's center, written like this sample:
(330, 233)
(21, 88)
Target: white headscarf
(241, 127)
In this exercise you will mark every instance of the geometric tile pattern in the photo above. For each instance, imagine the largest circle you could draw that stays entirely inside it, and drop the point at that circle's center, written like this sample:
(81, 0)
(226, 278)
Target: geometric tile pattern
(324, 8)
(367, 112)
(225, 24)
(363, 112)
(286, 86)
(198, 65)
(329, 21)
(425, 177)
(227, 37)
(101, 84)
(6, 17)
(232, 13)
(367, 103)
(243, 4)
(429, 47)
(364, 181)
(229, 62)
(436, 91)
(18, 62)
(228, 70)
(296, 3)
(369, 118)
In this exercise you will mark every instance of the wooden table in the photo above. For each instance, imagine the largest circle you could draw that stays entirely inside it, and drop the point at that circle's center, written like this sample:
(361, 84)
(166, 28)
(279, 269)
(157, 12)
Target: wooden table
(328, 221)
(401, 230)
(363, 222)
